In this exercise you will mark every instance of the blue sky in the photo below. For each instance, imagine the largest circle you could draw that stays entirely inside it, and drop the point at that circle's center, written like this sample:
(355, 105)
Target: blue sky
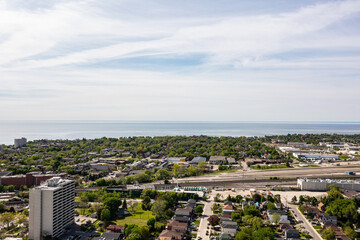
(180, 60)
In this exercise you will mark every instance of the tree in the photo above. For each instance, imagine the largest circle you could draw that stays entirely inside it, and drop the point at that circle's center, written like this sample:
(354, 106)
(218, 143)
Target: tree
(257, 197)
(277, 198)
(124, 206)
(7, 218)
(334, 192)
(238, 198)
(151, 223)
(271, 206)
(263, 234)
(105, 215)
(252, 234)
(343, 209)
(301, 199)
(217, 197)
(112, 203)
(276, 218)
(146, 203)
(23, 220)
(134, 207)
(162, 174)
(251, 210)
(328, 234)
(236, 216)
(158, 208)
(199, 209)
(201, 167)
(254, 222)
(243, 235)
(294, 199)
(213, 220)
(350, 232)
(2, 207)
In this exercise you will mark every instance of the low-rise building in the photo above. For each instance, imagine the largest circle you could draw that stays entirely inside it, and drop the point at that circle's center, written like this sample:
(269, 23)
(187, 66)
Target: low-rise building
(324, 218)
(30, 179)
(19, 142)
(283, 215)
(197, 160)
(215, 160)
(171, 235)
(177, 226)
(324, 184)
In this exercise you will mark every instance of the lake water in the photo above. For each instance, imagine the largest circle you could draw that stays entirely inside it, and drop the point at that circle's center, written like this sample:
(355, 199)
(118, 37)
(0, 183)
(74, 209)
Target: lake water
(33, 130)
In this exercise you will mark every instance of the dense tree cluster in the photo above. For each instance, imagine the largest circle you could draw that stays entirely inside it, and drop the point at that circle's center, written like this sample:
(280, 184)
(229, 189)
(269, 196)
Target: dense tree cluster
(314, 138)
(51, 153)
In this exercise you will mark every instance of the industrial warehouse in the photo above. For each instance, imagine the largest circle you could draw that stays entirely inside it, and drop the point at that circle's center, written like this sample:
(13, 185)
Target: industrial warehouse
(324, 184)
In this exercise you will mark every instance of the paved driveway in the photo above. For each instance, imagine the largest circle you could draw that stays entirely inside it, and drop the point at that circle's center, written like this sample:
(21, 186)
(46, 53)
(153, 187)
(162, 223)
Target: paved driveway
(306, 223)
(203, 221)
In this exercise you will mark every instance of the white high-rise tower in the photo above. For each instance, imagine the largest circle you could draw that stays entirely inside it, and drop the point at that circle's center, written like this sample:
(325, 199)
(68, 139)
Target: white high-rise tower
(51, 208)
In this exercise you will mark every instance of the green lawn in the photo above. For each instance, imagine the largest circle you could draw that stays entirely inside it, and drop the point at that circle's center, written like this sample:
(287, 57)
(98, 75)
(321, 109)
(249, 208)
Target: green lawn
(140, 218)
(274, 166)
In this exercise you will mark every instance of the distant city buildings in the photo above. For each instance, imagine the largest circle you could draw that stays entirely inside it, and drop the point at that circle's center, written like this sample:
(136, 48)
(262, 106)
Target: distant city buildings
(51, 208)
(314, 157)
(30, 179)
(19, 142)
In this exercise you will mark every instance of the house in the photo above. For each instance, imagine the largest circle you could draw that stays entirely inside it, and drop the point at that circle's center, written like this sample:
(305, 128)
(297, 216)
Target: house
(292, 234)
(177, 226)
(191, 203)
(215, 160)
(229, 227)
(350, 194)
(182, 219)
(225, 236)
(229, 224)
(282, 213)
(116, 228)
(108, 236)
(171, 235)
(230, 231)
(231, 160)
(176, 159)
(197, 160)
(225, 217)
(183, 214)
(228, 208)
(187, 212)
(326, 218)
(311, 210)
(285, 226)
(155, 156)
(279, 206)
(321, 207)
(339, 234)
(264, 204)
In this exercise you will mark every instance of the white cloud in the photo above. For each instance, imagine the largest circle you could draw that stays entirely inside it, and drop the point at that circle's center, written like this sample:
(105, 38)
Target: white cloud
(250, 70)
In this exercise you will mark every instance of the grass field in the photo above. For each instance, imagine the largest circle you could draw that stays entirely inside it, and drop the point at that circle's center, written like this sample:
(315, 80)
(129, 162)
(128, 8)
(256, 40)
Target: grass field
(275, 166)
(140, 218)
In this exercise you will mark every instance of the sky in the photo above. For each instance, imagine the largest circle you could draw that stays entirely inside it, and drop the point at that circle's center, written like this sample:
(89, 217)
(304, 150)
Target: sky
(167, 60)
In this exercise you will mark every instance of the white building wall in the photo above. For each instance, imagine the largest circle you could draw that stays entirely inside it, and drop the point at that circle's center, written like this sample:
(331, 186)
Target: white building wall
(314, 185)
(47, 212)
(51, 209)
(35, 214)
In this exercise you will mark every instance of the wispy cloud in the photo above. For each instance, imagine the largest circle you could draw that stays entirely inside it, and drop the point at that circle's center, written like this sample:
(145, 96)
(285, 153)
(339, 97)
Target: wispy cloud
(239, 59)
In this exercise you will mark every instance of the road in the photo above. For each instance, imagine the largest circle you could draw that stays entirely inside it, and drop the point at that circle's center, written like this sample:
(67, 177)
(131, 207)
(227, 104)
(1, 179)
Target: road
(203, 221)
(306, 223)
(328, 172)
